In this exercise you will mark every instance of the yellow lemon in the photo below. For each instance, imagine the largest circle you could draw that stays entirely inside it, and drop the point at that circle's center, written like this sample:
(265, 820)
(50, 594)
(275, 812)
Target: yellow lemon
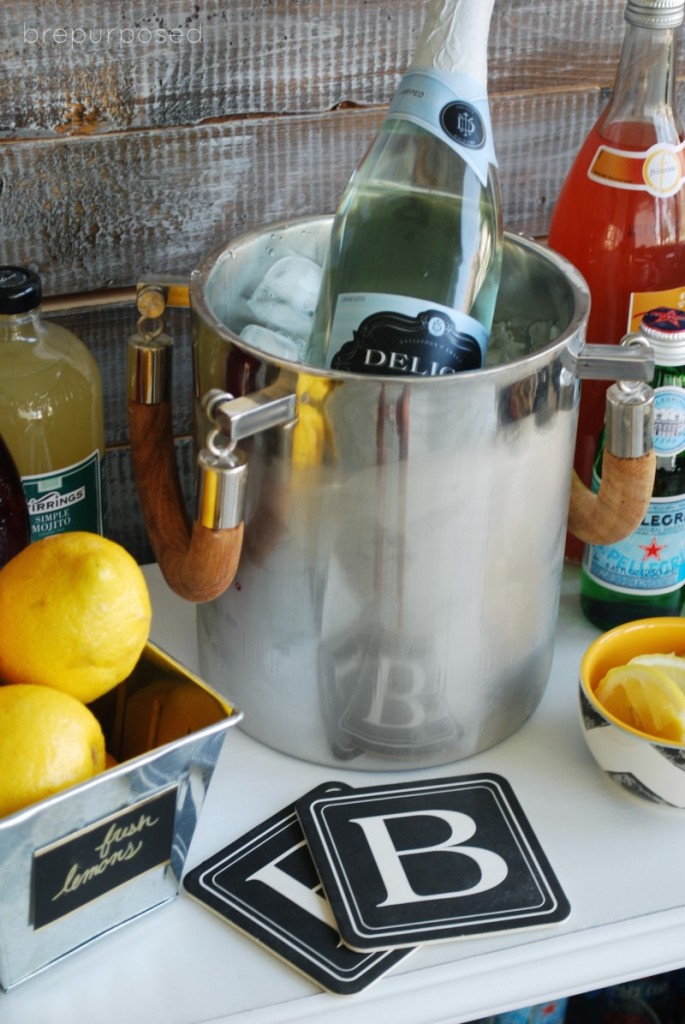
(311, 433)
(48, 741)
(309, 437)
(74, 614)
(672, 664)
(164, 711)
(645, 698)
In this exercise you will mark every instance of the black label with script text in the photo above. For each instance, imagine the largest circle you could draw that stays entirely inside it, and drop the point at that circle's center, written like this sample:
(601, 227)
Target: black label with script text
(90, 863)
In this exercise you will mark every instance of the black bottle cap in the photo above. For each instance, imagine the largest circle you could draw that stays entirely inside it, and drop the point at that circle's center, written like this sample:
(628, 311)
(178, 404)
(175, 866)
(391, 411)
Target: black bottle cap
(20, 290)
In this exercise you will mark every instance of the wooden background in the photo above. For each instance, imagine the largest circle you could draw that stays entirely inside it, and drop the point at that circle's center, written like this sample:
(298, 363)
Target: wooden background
(140, 136)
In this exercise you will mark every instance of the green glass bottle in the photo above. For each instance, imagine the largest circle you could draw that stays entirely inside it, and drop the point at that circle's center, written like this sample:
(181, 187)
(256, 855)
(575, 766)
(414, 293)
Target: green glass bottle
(644, 575)
(412, 271)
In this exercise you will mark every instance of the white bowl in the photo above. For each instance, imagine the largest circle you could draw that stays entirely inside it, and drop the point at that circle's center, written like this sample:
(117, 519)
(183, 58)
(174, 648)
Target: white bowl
(649, 768)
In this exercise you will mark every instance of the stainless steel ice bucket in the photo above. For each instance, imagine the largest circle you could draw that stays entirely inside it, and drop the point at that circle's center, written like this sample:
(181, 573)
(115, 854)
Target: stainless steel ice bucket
(395, 601)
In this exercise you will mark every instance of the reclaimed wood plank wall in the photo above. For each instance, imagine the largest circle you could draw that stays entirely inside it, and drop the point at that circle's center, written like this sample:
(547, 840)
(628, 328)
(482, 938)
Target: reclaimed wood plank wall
(139, 136)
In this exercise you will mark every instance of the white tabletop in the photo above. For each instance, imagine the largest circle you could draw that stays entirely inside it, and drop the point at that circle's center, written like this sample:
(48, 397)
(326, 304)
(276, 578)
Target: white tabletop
(618, 859)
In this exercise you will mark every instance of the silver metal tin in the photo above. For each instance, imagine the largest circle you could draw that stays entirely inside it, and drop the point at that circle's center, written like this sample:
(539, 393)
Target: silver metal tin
(137, 819)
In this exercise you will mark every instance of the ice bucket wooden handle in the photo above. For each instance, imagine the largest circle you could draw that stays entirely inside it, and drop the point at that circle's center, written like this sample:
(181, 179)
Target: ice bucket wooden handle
(619, 506)
(198, 561)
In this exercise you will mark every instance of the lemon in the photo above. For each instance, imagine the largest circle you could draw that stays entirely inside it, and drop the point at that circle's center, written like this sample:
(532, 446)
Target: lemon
(163, 711)
(645, 698)
(74, 614)
(48, 741)
(311, 433)
(672, 664)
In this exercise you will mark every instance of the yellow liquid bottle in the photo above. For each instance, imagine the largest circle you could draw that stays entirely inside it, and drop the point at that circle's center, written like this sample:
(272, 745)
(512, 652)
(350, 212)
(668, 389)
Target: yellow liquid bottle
(51, 413)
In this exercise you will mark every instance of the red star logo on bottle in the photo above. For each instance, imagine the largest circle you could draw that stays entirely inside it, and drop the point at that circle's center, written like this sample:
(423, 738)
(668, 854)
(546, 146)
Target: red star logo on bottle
(668, 319)
(653, 550)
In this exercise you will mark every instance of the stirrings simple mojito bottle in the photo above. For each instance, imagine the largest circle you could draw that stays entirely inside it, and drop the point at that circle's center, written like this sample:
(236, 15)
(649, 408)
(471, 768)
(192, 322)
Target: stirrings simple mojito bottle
(51, 414)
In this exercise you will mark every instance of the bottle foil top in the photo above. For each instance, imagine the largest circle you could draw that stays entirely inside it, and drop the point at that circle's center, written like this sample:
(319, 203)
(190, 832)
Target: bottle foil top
(455, 38)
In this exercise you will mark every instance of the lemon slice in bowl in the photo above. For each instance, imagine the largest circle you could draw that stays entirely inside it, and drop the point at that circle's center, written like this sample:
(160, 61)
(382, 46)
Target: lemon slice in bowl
(672, 664)
(645, 698)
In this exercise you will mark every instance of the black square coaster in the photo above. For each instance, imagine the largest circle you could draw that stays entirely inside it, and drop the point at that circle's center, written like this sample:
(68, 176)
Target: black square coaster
(266, 885)
(409, 863)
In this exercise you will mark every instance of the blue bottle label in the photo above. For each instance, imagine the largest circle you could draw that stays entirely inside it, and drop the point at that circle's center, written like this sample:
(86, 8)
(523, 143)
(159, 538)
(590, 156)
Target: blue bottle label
(454, 108)
(66, 499)
(669, 421)
(651, 560)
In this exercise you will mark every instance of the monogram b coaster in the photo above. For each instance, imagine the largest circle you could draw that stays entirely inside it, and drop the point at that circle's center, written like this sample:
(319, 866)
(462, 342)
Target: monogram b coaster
(415, 862)
(266, 885)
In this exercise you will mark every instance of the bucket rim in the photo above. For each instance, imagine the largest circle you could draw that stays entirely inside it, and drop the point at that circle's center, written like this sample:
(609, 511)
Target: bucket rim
(574, 330)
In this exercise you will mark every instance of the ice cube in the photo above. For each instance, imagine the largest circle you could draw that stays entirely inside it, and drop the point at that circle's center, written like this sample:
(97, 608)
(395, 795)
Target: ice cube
(273, 343)
(286, 297)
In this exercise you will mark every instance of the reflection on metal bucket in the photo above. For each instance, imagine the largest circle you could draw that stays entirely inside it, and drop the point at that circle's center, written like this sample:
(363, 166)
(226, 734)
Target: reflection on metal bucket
(379, 698)
(396, 600)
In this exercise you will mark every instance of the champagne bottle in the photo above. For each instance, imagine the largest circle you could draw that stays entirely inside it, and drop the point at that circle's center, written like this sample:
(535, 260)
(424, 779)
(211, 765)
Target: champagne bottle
(412, 270)
(644, 575)
(51, 413)
(620, 216)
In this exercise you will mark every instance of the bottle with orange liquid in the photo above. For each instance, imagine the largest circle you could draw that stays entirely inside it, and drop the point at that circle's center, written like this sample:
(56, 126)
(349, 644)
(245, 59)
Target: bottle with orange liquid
(620, 216)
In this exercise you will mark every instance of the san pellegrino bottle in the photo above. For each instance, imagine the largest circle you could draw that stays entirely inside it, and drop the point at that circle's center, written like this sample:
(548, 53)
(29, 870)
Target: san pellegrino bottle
(51, 412)
(644, 575)
(15, 531)
(620, 216)
(412, 270)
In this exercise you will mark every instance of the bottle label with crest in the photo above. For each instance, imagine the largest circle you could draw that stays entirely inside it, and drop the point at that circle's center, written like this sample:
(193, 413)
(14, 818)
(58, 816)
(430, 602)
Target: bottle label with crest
(454, 108)
(66, 499)
(399, 335)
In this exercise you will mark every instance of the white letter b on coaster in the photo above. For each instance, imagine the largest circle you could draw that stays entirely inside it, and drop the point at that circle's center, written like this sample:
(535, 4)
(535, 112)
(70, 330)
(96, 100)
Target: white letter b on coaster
(493, 868)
